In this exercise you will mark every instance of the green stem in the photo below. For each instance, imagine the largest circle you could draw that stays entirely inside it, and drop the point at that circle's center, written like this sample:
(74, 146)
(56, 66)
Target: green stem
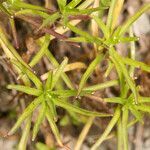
(119, 134)
(125, 128)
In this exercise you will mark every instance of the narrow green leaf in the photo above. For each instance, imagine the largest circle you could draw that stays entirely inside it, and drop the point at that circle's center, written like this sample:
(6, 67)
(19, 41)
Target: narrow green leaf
(30, 108)
(91, 39)
(102, 86)
(89, 71)
(136, 113)
(109, 68)
(25, 89)
(105, 2)
(144, 108)
(129, 80)
(53, 126)
(56, 64)
(32, 12)
(29, 73)
(128, 39)
(5, 10)
(41, 52)
(58, 72)
(108, 129)
(85, 4)
(73, 3)
(118, 69)
(81, 12)
(110, 13)
(21, 5)
(52, 107)
(78, 110)
(131, 123)
(39, 120)
(102, 26)
(118, 100)
(50, 20)
(121, 77)
(136, 64)
(114, 12)
(61, 4)
(144, 99)
(115, 40)
(132, 19)
(49, 81)
(69, 93)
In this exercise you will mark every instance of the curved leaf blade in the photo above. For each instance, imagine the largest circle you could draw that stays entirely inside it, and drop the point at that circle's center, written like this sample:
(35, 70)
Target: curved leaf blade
(89, 71)
(25, 89)
(53, 126)
(39, 120)
(78, 110)
(25, 114)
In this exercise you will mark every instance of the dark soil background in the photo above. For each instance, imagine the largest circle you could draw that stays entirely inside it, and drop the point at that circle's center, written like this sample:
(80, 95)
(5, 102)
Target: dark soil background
(12, 103)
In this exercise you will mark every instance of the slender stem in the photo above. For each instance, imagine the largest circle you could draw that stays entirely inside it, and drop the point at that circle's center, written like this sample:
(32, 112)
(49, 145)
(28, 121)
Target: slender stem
(125, 128)
(119, 134)
(84, 133)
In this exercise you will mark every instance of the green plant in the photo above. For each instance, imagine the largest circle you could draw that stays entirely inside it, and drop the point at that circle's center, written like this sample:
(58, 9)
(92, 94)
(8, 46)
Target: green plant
(48, 99)
(48, 96)
(133, 103)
